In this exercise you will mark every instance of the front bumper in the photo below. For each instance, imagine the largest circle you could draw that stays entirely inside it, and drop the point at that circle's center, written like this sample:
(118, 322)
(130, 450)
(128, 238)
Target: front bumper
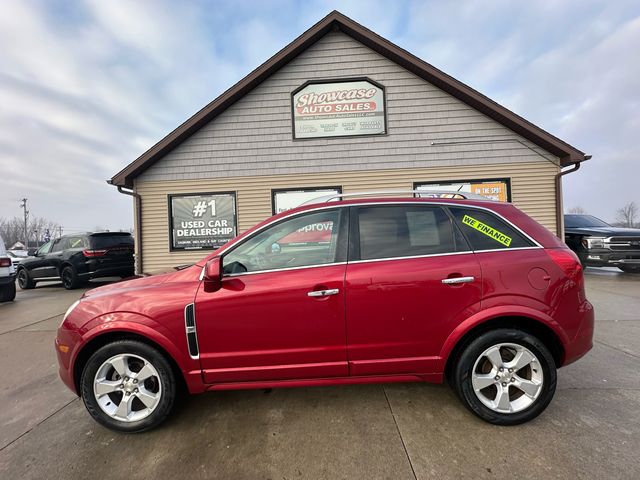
(607, 258)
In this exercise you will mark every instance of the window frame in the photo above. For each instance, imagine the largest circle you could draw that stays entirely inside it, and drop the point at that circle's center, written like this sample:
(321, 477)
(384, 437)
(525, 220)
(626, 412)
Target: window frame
(506, 180)
(341, 247)
(510, 224)
(276, 191)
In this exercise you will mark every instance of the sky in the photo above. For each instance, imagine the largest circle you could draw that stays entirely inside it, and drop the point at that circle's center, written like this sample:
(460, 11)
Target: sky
(88, 86)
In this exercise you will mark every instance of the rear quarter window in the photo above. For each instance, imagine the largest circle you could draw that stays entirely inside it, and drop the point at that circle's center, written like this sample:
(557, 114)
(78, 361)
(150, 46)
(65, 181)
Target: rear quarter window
(486, 231)
(99, 242)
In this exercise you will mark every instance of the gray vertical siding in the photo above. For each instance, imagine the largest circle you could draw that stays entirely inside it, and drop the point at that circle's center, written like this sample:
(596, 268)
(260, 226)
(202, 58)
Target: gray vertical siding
(254, 136)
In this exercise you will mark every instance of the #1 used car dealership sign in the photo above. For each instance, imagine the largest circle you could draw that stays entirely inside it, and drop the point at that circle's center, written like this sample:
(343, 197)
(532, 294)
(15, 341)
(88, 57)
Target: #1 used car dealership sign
(202, 221)
(336, 109)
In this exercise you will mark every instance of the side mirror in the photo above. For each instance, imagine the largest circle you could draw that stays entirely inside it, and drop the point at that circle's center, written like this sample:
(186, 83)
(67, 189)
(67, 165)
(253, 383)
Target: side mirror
(212, 275)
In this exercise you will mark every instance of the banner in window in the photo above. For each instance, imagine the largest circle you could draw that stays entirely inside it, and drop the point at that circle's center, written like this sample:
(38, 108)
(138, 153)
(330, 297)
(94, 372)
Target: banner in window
(203, 221)
(283, 200)
(337, 109)
(494, 189)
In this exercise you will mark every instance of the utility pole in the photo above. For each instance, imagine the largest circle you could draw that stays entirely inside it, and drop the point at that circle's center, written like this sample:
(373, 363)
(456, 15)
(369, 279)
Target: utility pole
(23, 205)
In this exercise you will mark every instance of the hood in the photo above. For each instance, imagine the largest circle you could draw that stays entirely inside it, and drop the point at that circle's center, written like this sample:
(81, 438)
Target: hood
(606, 231)
(149, 280)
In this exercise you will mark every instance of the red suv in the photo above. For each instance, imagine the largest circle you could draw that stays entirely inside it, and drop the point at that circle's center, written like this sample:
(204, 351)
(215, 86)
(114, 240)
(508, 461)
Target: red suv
(344, 292)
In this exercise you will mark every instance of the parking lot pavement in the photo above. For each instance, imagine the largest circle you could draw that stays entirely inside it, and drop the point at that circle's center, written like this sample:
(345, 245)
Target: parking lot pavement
(590, 430)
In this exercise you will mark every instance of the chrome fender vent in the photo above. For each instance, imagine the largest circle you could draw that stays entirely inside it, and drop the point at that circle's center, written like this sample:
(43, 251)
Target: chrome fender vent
(190, 327)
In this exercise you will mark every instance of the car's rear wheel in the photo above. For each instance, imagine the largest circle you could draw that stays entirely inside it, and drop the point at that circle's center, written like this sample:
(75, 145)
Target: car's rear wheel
(128, 386)
(630, 268)
(69, 278)
(8, 292)
(25, 282)
(505, 376)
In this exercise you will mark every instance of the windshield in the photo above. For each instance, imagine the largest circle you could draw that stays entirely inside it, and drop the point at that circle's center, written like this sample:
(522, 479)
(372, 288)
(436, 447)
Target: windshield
(583, 221)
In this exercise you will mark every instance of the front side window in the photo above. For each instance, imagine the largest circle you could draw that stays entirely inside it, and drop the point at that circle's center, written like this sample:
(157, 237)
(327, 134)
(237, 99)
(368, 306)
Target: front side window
(406, 231)
(305, 240)
(44, 249)
(486, 231)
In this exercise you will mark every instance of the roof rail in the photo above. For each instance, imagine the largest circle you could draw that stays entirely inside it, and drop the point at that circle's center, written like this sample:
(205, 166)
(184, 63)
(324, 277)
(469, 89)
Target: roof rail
(417, 193)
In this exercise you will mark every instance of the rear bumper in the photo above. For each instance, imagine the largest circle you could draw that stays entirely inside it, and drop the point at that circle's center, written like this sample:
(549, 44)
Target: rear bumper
(583, 340)
(120, 271)
(7, 280)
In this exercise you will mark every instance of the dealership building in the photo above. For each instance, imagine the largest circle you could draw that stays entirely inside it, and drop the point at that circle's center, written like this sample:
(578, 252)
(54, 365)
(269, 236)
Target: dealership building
(338, 110)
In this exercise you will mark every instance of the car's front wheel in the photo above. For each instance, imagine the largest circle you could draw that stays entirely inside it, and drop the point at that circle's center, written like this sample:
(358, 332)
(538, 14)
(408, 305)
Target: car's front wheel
(505, 376)
(24, 280)
(128, 386)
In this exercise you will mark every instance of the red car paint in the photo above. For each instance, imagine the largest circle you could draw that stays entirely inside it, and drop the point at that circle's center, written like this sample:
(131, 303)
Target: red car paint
(392, 320)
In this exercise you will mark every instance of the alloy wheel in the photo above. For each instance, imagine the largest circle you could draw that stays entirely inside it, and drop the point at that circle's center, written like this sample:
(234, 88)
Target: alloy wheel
(127, 387)
(507, 378)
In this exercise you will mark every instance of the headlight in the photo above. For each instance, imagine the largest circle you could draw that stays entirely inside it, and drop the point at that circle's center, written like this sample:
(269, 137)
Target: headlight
(70, 309)
(595, 242)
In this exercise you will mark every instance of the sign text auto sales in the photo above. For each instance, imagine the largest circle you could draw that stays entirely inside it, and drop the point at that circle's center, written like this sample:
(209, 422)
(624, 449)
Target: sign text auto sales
(339, 109)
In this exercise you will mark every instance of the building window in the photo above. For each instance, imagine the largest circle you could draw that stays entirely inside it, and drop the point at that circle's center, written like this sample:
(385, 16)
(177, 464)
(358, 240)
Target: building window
(286, 199)
(202, 221)
(494, 188)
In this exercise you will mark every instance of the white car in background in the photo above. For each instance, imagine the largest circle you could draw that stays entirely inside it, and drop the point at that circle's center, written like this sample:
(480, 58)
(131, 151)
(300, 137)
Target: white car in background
(17, 256)
(7, 275)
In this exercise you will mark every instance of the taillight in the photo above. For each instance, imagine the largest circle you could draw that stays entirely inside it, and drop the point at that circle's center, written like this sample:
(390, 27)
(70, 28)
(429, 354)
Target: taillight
(568, 262)
(94, 253)
(5, 262)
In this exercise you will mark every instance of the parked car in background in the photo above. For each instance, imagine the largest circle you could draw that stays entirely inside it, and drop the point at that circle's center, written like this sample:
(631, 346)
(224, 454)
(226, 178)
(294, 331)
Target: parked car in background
(7, 276)
(599, 244)
(78, 258)
(347, 292)
(17, 256)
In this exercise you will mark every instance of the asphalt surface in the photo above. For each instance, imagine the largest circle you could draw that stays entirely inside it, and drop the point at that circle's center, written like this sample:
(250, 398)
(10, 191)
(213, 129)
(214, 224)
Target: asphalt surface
(398, 431)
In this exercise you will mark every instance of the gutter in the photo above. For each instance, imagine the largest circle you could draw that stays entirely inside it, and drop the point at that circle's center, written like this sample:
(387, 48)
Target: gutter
(574, 167)
(138, 223)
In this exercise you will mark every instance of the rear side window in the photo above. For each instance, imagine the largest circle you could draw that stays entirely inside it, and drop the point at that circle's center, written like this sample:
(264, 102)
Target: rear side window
(486, 231)
(406, 231)
(76, 242)
(100, 242)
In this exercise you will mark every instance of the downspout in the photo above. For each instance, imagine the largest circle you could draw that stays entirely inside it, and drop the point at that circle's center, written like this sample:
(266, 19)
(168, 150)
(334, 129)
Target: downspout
(137, 199)
(575, 166)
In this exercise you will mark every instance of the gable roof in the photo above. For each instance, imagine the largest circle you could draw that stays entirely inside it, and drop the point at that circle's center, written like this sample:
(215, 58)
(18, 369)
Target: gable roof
(337, 21)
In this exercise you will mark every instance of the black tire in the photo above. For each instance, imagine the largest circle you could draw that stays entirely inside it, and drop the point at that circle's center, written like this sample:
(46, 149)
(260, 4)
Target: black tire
(69, 278)
(156, 359)
(8, 292)
(25, 282)
(630, 268)
(464, 367)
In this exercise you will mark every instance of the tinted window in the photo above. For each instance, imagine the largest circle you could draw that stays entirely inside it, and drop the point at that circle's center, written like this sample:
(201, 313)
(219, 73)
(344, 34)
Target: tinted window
(77, 242)
(405, 231)
(100, 242)
(583, 221)
(304, 240)
(58, 245)
(486, 231)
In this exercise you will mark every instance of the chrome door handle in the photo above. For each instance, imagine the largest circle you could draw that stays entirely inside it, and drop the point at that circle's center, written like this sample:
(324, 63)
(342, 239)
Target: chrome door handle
(453, 281)
(323, 293)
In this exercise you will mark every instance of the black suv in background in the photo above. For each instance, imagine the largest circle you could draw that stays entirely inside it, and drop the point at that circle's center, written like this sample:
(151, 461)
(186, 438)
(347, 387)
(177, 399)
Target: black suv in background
(78, 258)
(598, 244)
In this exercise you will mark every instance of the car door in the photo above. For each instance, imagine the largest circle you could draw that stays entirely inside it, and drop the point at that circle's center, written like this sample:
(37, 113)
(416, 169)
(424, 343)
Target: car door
(39, 265)
(410, 279)
(53, 259)
(280, 312)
